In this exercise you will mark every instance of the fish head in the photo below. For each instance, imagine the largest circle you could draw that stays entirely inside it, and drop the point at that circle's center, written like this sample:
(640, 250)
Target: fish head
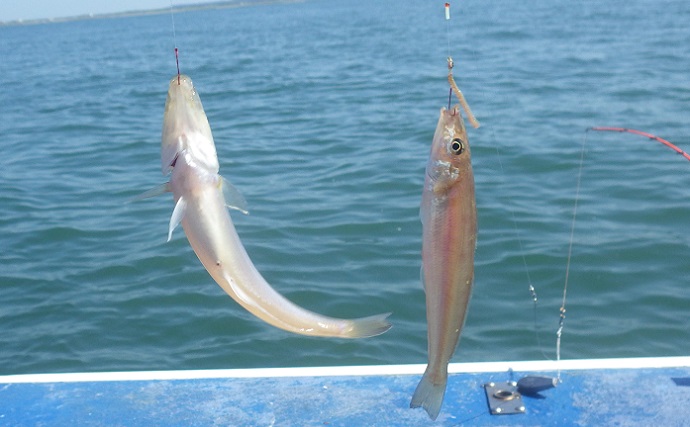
(186, 130)
(450, 159)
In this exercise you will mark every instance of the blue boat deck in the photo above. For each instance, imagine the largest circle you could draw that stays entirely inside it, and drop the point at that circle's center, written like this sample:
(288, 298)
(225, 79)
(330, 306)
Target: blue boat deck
(601, 392)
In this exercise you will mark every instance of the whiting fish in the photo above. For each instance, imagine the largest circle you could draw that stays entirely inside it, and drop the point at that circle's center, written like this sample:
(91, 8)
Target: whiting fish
(449, 220)
(201, 199)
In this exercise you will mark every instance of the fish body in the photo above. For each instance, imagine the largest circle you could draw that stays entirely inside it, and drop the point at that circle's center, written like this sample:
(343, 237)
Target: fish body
(201, 199)
(449, 220)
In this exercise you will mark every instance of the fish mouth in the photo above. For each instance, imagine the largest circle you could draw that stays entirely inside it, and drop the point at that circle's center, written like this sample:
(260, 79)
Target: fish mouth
(452, 111)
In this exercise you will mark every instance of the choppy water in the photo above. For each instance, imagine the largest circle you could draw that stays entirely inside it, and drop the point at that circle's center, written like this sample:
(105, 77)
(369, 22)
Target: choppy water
(323, 113)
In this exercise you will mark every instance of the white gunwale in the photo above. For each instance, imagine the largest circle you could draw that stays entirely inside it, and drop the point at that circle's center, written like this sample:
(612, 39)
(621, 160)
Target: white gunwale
(365, 370)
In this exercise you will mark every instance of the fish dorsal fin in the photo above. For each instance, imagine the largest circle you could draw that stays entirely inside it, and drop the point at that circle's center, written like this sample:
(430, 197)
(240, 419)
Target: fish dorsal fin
(177, 215)
(232, 196)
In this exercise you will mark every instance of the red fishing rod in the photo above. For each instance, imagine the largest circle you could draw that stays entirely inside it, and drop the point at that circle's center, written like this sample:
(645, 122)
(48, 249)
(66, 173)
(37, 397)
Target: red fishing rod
(645, 134)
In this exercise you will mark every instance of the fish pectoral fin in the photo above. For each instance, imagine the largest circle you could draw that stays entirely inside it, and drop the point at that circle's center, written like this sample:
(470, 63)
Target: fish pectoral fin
(177, 215)
(155, 191)
(232, 196)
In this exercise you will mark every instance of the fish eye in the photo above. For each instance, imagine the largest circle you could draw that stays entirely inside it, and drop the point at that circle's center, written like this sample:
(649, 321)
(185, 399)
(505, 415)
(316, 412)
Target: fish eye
(457, 146)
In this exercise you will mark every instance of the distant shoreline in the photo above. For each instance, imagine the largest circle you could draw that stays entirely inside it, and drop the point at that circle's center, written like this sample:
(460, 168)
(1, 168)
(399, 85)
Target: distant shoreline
(226, 4)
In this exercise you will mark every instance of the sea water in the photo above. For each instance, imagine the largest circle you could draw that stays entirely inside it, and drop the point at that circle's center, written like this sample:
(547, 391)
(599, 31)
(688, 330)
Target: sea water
(323, 113)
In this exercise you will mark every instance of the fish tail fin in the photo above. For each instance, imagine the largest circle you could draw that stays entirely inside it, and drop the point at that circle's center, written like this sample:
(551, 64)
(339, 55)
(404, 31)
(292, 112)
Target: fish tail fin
(368, 326)
(429, 394)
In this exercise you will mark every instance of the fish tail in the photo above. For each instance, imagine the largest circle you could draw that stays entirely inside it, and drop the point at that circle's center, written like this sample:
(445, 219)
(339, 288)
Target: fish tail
(368, 326)
(429, 394)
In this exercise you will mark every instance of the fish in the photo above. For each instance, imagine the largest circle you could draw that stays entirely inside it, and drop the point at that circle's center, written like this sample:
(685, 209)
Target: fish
(202, 196)
(449, 237)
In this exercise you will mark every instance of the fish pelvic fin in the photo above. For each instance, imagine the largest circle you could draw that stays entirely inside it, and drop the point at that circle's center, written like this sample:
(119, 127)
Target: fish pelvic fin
(155, 191)
(371, 326)
(233, 198)
(429, 395)
(177, 215)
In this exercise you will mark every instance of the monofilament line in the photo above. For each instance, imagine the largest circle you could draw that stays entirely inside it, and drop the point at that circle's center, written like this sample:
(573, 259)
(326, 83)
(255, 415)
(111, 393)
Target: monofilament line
(447, 7)
(570, 255)
(532, 290)
(447, 10)
(451, 81)
(177, 58)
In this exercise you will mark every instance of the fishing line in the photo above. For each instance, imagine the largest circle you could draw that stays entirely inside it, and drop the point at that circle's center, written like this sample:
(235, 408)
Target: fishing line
(561, 320)
(532, 290)
(577, 198)
(447, 9)
(177, 57)
(451, 80)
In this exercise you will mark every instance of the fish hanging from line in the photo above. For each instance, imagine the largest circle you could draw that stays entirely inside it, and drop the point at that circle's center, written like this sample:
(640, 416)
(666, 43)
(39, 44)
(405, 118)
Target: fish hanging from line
(201, 196)
(449, 222)
(449, 238)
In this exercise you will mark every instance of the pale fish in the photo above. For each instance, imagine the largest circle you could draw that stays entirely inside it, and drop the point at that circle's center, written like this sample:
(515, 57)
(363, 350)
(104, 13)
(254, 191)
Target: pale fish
(449, 221)
(201, 196)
